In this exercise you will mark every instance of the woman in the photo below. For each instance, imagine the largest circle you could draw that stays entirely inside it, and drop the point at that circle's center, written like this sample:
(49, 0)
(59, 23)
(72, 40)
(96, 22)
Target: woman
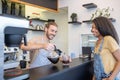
(107, 50)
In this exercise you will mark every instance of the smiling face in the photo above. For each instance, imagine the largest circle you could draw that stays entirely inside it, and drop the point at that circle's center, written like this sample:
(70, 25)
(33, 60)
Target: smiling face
(95, 31)
(51, 32)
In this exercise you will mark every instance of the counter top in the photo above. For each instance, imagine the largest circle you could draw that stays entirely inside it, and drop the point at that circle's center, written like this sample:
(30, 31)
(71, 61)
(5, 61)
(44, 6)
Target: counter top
(78, 68)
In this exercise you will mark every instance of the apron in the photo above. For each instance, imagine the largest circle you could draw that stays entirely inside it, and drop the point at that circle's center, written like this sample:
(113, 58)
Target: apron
(98, 66)
(40, 57)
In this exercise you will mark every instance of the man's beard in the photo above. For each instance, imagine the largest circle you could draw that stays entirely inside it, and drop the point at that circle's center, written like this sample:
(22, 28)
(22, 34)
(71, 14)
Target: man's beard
(48, 36)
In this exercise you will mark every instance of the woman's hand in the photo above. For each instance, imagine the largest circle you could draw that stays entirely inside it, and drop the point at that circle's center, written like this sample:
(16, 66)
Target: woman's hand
(110, 78)
(93, 77)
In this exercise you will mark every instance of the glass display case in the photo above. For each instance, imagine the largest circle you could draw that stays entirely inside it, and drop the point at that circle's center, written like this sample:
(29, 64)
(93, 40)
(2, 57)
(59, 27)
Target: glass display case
(88, 40)
(88, 43)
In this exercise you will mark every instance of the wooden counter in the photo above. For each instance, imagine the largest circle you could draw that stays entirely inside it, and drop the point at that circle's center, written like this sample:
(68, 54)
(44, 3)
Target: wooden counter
(79, 69)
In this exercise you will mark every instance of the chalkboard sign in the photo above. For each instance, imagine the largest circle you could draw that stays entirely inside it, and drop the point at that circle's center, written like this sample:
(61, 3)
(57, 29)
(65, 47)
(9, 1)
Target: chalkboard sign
(46, 4)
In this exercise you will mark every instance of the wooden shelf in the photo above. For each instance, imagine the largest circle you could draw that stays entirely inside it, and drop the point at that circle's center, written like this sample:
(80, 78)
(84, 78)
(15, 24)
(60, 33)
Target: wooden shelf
(89, 5)
(13, 16)
(35, 30)
(75, 22)
(87, 21)
(42, 20)
(37, 19)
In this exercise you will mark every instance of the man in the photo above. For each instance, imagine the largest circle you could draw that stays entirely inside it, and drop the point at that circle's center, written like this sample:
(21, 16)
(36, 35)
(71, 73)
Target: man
(41, 46)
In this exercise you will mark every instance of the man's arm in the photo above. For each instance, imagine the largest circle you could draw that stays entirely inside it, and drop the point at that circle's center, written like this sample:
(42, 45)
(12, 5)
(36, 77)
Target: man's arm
(31, 46)
(34, 46)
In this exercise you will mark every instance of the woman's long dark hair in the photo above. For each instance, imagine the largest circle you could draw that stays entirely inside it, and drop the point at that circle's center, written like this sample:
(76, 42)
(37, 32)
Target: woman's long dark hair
(105, 27)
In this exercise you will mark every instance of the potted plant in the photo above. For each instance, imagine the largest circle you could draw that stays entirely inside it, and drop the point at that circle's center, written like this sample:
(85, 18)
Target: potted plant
(74, 17)
(101, 12)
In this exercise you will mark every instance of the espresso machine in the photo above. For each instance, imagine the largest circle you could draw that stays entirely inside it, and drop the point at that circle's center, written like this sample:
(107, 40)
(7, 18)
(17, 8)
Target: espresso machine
(12, 33)
(13, 38)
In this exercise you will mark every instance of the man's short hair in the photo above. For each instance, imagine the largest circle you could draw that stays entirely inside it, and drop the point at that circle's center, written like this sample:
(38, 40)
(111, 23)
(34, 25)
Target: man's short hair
(50, 23)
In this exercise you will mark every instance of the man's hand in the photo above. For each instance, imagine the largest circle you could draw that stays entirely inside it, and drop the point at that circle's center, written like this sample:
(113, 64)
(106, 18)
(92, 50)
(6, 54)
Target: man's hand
(49, 46)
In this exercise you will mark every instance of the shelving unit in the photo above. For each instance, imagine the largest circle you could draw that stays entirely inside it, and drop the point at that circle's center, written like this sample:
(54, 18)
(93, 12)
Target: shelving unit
(37, 19)
(35, 30)
(89, 5)
(42, 20)
(89, 21)
(11, 9)
(74, 22)
(12, 16)
(92, 5)
(36, 22)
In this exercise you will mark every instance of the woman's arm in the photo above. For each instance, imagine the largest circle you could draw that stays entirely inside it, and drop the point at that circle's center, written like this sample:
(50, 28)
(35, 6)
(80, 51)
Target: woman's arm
(116, 70)
(93, 77)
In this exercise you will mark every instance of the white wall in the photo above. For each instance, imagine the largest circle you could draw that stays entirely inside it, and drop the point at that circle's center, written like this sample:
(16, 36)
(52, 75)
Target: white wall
(74, 31)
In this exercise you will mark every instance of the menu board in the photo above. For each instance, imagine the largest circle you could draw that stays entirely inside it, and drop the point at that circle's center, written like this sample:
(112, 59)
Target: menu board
(49, 4)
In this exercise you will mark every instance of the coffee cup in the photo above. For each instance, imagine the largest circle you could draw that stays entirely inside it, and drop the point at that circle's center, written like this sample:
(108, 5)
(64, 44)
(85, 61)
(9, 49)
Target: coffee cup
(23, 64)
